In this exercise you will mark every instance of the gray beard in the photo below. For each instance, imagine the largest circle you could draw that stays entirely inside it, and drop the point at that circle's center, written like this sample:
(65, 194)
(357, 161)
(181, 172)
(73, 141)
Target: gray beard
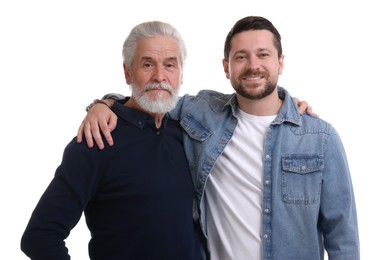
(157, 106)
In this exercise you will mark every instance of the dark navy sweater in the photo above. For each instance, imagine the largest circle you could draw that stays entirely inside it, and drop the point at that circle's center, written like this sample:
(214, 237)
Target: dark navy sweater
(137, 196)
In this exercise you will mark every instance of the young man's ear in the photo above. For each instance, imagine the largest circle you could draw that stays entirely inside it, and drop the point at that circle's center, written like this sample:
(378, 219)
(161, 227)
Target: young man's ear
(225, 65)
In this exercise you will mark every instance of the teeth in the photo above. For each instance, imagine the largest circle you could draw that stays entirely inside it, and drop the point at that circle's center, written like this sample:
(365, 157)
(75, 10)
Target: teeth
(255, 78)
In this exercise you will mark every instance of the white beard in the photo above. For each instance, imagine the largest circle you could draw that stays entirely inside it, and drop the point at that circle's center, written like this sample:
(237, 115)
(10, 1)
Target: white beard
(157, 105)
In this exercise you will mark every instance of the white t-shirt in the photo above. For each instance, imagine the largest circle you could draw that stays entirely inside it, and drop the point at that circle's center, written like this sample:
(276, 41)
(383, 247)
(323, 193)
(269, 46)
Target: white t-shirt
(234, 193)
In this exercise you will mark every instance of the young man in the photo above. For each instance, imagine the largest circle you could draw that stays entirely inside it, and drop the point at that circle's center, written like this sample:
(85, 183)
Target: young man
(270, 184)
(137, 196)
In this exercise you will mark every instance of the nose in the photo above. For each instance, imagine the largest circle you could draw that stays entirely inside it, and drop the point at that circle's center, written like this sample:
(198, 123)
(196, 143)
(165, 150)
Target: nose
(254, 63)
(159, 74)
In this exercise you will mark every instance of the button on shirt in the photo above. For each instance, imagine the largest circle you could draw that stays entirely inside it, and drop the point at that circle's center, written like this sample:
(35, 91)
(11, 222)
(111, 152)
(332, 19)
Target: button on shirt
(307, 190)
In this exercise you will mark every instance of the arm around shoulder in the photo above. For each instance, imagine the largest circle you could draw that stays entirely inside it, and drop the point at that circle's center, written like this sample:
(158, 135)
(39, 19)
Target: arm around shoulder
(99, 118)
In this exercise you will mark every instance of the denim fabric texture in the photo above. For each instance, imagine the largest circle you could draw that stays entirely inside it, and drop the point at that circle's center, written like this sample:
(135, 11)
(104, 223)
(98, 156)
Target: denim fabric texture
(308, 203)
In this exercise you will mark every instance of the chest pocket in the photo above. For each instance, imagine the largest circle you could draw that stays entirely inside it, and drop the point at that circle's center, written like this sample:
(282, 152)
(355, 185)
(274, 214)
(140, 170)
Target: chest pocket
(194, 128)
(301, 181)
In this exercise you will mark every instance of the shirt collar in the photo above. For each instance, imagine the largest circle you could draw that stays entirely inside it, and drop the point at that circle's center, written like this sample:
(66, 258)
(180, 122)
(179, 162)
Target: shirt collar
(287, 113)
(289, 109)
(133, 116)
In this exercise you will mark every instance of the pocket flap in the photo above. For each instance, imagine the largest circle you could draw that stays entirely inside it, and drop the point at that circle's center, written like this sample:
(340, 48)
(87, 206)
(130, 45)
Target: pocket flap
(194, 128)
(302, 163)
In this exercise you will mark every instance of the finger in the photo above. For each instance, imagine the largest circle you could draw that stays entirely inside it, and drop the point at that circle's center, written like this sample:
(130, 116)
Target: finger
(95, 133)
(311, 112)
(112, 123)
(88, 135)
(79, 135)
(302, 106)
(104, 128)
(107, 134)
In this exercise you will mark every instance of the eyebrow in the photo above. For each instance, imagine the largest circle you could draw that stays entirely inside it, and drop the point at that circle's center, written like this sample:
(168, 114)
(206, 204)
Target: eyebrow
(264, 49)
(259, 50)
(148, 58)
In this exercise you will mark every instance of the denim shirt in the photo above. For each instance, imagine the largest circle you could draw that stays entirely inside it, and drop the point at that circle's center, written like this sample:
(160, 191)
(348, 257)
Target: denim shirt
(308, 199)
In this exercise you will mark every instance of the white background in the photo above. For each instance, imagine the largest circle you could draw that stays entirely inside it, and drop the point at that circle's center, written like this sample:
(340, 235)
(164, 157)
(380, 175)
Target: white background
(57, 56)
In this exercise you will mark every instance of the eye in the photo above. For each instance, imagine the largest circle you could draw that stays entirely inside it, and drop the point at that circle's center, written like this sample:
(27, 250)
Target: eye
(263, 55)
(240, 57)
(170, 65)
(147, 65)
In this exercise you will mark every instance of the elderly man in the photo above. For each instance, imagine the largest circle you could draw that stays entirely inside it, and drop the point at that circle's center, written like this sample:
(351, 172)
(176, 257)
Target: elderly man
(137, 196)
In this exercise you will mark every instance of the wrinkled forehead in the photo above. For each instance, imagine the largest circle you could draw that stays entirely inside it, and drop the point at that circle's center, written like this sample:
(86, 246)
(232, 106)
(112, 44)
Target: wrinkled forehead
(159, 48)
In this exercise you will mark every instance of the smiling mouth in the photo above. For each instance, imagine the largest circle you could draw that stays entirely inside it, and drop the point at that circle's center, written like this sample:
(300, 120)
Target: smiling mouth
(252, 78)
